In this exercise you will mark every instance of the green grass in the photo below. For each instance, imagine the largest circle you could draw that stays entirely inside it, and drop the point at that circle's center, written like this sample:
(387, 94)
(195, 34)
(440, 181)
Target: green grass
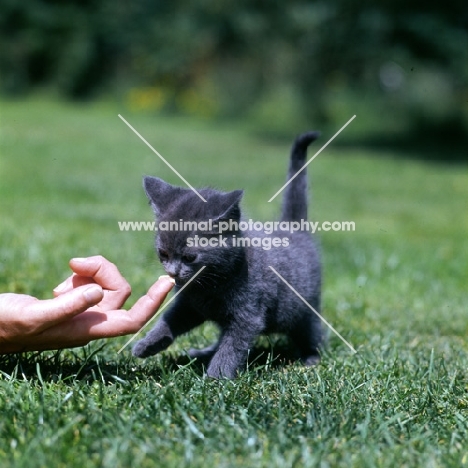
(395, 289)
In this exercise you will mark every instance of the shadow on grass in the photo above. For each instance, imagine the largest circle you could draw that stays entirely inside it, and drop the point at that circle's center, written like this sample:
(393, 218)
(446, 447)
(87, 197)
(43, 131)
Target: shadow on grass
(268, 352)
(441, 142)
(88, 365)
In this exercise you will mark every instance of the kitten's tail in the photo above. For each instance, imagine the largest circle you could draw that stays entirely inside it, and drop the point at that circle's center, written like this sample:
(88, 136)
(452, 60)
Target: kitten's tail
(295, 194)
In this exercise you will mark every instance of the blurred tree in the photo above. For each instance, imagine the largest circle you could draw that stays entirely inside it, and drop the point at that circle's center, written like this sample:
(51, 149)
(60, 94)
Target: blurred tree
(237, 52)
(354, 39)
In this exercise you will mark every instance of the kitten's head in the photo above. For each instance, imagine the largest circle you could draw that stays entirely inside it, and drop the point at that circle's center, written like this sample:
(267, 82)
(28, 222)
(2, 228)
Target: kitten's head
(177, 249)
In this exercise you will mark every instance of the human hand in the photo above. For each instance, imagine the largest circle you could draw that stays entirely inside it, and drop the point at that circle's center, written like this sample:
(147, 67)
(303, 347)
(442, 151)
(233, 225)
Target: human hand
(87, 307)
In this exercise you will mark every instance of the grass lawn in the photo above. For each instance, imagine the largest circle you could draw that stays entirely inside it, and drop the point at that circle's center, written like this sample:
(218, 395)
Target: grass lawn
(396, 289)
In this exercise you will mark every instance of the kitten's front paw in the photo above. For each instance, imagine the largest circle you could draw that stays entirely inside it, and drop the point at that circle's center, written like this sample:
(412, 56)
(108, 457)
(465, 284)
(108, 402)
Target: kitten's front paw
(143, 348)
(220, 372)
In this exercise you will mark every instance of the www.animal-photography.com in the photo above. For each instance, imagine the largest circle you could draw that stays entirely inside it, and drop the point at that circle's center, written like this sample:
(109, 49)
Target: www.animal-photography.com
(233, 234)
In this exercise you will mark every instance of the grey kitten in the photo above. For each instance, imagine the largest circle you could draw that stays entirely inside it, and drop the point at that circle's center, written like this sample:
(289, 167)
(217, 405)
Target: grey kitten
(237, 290)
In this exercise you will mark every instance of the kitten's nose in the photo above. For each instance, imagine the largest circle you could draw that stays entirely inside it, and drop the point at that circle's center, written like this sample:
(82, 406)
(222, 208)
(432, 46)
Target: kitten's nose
(172, 270)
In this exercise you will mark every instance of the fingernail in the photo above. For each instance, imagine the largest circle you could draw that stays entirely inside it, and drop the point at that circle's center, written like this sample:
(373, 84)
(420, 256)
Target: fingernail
(93, 294)
(172, 280)
(78, 259)
(61, 287)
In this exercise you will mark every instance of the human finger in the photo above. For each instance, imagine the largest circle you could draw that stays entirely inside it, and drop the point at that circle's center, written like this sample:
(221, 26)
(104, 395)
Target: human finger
(93, 324)
(73, 281)
(106, 274)
(51, 312)
(145, 308)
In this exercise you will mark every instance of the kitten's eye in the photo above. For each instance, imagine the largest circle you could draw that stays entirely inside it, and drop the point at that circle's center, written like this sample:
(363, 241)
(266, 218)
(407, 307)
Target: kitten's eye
(163, 254)
(189, 258)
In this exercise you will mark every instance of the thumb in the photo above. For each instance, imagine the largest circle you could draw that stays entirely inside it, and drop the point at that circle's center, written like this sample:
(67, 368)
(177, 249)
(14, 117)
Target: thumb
(67, 305)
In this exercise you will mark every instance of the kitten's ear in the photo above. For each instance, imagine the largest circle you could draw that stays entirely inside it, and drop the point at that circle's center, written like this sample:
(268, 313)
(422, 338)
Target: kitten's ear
(230, 205)
(159, 193)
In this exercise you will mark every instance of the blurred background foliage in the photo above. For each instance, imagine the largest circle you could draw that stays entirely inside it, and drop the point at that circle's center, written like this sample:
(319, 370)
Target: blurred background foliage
(400, 65)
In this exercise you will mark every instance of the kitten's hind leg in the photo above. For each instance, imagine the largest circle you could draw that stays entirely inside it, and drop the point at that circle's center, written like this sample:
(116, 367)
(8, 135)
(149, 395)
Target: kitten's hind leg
(307, 336)
(311, 360)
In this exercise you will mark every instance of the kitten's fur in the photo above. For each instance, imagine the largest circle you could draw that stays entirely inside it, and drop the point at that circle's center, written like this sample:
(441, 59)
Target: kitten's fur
(237, 290)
